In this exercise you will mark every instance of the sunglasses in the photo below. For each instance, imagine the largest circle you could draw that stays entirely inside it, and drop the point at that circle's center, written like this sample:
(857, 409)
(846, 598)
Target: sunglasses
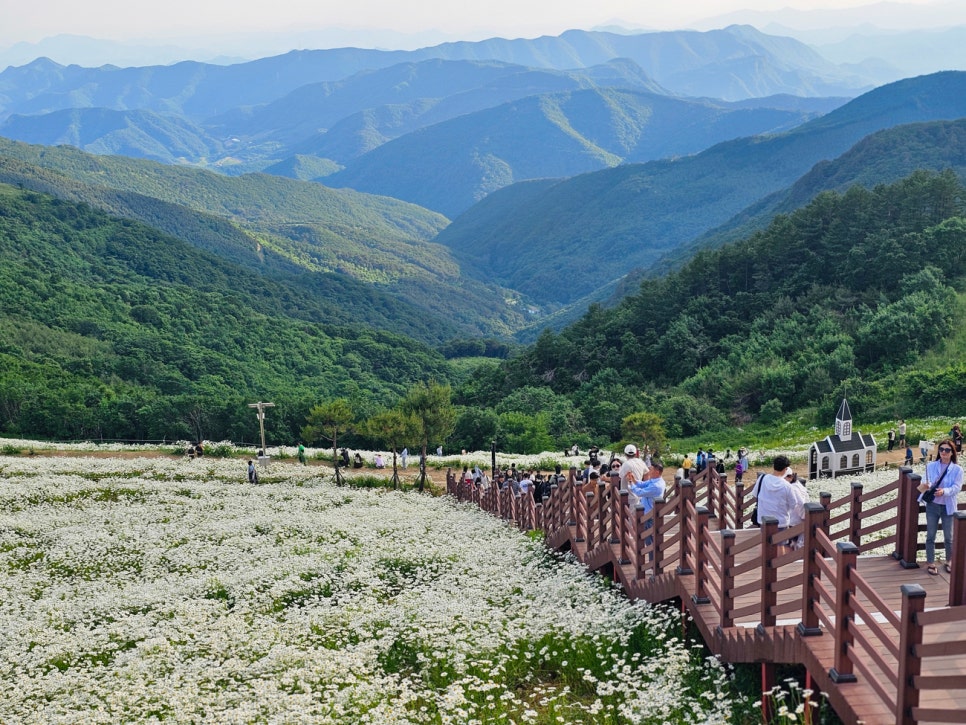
(944, 449)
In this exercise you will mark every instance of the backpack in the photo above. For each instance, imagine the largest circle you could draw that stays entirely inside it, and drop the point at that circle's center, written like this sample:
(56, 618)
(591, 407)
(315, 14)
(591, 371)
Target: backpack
(739, 469)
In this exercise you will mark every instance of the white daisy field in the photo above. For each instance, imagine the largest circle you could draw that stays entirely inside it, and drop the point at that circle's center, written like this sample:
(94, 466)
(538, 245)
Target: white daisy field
(155, 590)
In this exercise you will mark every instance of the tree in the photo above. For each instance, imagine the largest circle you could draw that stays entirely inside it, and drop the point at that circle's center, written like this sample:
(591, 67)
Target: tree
(647, 427)
(475, 428)
(326, 421)
(392, 428)
(432, 407)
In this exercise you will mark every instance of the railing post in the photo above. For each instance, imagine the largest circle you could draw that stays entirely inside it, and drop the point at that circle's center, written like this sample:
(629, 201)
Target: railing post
(769, 573)
(616, 517)
(624, 504)
(739, 505)
(957, 581)
(700, 595)
(845, 556)
(550, 509)
(910, 664)
(601, 516)
(907, 526)
(727, 599)
(714, 491)
(581, 515)
(686, 553)
(816, 517)
(640, 562)
(572, 503)
(658, 513)
(855, 514)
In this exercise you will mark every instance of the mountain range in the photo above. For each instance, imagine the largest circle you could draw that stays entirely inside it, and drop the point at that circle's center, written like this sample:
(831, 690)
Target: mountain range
(461, 122)
(562, 184)
(632, 215)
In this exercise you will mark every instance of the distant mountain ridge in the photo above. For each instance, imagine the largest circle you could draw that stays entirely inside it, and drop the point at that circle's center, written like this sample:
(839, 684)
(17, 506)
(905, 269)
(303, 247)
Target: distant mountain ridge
(733, 63)
(461, 128)
(452, 165)
(633, 215)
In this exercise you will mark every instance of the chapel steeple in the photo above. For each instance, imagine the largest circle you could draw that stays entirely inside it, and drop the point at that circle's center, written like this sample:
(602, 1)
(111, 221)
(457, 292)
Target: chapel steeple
(843, 422)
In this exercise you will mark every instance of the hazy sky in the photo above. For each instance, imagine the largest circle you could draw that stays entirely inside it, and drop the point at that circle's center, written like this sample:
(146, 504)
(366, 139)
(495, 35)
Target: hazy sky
(33, 20)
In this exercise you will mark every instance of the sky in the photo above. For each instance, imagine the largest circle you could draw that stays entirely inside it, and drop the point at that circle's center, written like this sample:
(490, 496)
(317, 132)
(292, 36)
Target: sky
(171, 20)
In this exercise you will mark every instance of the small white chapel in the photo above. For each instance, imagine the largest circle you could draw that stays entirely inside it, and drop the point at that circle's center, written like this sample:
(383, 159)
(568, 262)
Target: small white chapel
(844, 452)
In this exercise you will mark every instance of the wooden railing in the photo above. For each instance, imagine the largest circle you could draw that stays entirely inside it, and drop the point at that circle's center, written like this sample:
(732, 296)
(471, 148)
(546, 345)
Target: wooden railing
(885, 649)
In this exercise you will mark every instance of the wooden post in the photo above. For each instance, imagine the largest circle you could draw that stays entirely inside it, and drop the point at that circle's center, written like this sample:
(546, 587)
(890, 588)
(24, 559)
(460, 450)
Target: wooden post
(529, 511)
(581, 517)
(637, 528)
(549, 509)
(910, 665)
(700, 595)
(602, 487)
(739, 522)
(845, 556)
(825, 498)
(616, 512)
(624, 505)
(855, 514)
(769, 573)
(727, 599)
(957, 581)
(768, 683)
(816, 517)
(907, 527)
(714, 491)
(686, 502)
(574, 492)
(658, 513)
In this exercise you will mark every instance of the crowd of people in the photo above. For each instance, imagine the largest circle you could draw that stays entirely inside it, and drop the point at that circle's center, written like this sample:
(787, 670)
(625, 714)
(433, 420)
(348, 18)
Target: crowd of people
(780, 493)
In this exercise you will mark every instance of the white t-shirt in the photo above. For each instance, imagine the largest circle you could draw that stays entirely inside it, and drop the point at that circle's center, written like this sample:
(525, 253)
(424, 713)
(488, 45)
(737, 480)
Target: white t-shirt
(636, 465)
(781, 499)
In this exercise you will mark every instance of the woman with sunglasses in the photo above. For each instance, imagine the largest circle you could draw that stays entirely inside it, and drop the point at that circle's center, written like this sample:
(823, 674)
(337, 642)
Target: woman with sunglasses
(938, 492)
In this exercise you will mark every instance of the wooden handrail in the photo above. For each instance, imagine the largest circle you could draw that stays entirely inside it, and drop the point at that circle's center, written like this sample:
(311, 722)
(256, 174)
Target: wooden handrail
(834, 594)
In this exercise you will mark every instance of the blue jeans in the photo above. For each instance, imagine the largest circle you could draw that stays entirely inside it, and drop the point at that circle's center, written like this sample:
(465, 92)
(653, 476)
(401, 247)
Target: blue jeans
(936, 512)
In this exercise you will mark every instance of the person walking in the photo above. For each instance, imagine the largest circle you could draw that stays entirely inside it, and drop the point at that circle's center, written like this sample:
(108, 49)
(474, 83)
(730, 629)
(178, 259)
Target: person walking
(892, 439)
(902, 433)
(302, 455)
(938, 492)
(252, 472)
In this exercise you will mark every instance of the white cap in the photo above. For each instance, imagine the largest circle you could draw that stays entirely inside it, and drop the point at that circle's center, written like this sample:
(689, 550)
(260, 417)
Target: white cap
(788, 472)
(630, 450)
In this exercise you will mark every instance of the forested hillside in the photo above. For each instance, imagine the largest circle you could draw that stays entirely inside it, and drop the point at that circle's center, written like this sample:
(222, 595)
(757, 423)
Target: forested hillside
(110, 328)
(934, 146)
(851, 290)
(370, 255)
(633, 215)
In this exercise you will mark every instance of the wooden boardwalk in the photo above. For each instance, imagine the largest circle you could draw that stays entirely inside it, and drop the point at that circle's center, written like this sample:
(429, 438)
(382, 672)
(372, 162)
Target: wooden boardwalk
(883, 639)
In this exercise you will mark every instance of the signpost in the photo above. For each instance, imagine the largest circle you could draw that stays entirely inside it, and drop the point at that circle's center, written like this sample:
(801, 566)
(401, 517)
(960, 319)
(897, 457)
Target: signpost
(263, 457)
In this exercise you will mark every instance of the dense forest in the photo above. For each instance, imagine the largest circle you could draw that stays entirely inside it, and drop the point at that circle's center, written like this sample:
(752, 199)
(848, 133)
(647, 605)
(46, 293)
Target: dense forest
(845, 293)
(111, 329)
